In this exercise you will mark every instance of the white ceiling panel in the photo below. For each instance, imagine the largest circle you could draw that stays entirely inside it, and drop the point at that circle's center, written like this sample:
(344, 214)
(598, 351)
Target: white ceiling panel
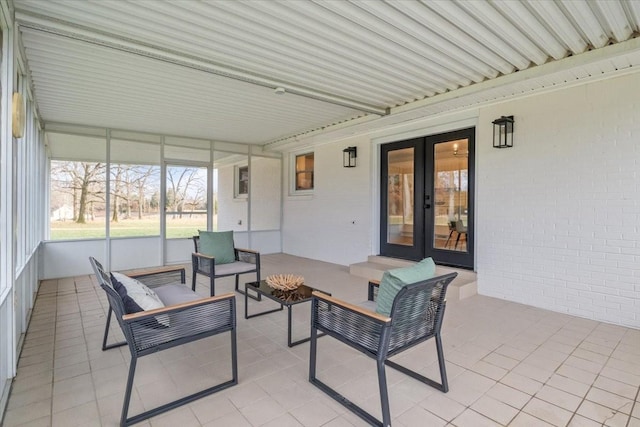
(208, 69)
(81, 83)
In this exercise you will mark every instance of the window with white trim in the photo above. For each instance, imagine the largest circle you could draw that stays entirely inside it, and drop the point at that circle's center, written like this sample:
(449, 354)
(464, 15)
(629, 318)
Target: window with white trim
(304, 169)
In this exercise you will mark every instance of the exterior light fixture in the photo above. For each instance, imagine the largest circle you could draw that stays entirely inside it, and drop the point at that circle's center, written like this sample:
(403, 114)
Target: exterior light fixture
(503, 132)
(349, 156)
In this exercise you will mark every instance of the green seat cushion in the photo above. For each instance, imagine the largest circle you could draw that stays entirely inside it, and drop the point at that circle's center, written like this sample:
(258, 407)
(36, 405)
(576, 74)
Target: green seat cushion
(393, 280)
(218, 244)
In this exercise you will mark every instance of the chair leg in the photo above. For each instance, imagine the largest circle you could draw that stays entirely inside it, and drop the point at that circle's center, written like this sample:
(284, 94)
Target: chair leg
(257, 280)
(444, 387)
(457, 240)
(234, 357)
(441, 363)
(384, 394)
(106, 334)
(106, 330)
(193, 280)
(127, 393)
(124, 421)
(212, 285)
(370, 419)
(448, 238)
(312, 353)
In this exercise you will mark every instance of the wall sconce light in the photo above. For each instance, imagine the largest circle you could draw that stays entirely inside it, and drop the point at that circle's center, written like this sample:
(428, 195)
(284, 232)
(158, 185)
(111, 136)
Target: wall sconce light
(349, 156)
(503, 132)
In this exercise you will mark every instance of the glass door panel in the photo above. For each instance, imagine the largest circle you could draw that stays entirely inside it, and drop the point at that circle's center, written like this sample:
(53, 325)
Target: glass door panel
(448, 225)
(400, 197)
(402, 187)
(451, 195)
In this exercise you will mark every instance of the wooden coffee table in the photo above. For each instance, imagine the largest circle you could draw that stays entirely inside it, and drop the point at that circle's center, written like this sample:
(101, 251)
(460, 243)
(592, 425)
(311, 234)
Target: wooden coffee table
(284, 298)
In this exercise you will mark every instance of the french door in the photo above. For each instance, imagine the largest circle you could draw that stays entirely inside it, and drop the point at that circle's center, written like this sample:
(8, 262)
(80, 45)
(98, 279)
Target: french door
(427, 198)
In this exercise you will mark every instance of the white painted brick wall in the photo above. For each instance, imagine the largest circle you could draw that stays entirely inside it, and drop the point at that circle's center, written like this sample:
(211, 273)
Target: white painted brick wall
(322, 226)
(558, 215)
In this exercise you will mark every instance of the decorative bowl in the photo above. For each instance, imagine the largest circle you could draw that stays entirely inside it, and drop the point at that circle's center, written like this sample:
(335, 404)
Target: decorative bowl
(284, 282)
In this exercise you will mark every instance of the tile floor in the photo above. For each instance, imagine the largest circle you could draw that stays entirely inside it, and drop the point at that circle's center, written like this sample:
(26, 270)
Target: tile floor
(508, 365)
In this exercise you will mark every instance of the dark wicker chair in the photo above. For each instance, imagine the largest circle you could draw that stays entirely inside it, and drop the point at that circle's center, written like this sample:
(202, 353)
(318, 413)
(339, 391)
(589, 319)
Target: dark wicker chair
(247, 261)
(416, 316)
(188, 322)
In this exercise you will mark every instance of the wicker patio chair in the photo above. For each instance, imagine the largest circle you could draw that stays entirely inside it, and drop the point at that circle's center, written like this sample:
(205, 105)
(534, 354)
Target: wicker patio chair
(247, 261)
(416, 316)
(152, 278)
(182, 323)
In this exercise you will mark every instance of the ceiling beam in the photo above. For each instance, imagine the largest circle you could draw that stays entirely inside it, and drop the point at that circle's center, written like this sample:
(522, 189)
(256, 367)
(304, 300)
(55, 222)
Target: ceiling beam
(89, 35)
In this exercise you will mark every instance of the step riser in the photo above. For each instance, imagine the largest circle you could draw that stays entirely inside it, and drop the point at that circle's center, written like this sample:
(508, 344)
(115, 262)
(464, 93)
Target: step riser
(377, 259)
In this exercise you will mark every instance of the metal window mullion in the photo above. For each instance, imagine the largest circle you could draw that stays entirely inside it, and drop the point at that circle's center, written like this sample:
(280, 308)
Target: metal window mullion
(210, 201)
(107, 198)
(249, 200)
(7, 205)
(163, 201)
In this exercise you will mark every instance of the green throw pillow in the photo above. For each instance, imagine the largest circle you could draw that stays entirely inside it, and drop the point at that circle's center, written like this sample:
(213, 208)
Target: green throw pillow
(218, 244)
(393, 280)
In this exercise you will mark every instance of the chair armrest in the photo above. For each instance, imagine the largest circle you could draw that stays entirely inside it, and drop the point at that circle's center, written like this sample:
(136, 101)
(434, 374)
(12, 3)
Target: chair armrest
(352, 307)
(155, 330)
(201, 255)
(373, 285)
(248, 255)
(175, 308)
(159, 276)
(251, 251)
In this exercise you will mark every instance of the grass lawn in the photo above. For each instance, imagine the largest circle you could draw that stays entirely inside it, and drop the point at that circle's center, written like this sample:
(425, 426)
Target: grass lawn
(176, 228)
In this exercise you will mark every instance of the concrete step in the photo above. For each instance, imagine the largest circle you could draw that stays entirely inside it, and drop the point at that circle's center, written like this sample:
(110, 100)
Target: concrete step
(377, 259)
(464, 286)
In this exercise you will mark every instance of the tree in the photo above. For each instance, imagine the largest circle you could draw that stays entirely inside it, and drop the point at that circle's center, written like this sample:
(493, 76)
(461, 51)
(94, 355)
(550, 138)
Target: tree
(117, 172)
(90, 185)
(182, 182)
(83, 181)
(143, 175)
(128, 185)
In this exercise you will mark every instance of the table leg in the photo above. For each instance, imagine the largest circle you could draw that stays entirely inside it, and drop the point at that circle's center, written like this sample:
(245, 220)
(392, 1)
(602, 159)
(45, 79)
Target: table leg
(289, 324)
(246, 305)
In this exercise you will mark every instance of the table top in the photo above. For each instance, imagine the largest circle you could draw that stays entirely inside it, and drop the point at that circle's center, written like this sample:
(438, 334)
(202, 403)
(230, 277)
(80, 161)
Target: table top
(301, 294)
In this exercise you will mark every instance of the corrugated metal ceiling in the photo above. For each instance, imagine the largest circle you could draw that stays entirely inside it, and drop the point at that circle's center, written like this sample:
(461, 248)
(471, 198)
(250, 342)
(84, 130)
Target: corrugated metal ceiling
(209, 69)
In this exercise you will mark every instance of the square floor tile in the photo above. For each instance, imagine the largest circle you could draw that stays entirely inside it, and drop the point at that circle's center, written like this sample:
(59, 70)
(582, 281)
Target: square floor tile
(495, 410)
(610, 400)
(442, 406)
(548, 412)
(602, 414)
(560, 398)
(419, 417)
(470, 418)
(314, 413)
